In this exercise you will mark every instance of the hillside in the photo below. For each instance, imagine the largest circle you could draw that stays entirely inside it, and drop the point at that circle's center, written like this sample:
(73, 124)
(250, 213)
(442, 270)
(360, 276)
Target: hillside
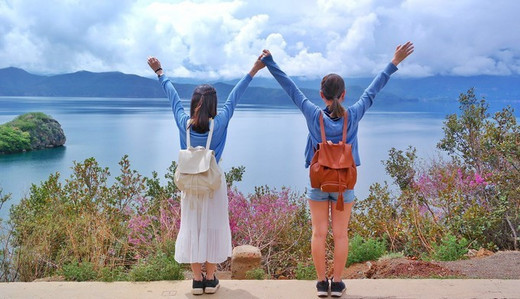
(435, 94)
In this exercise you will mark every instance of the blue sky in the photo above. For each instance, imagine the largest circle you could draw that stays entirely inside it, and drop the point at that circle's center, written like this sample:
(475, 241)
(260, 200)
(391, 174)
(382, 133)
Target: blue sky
(221, 39)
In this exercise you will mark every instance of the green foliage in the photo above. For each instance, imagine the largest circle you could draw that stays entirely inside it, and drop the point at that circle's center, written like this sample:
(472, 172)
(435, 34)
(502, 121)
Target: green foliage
(400, 166)
(277, 222)
(13, 140)
(305, 272)
(234, 175)
(26, 132)
(82, 219)
(474, 194)
(75, 271)
(156, 190)
(450, 249)
(157, 267)
(257, 274)
(361, 250)
(108, 274)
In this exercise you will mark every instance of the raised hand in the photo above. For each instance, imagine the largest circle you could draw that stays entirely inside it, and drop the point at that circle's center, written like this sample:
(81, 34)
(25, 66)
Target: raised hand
(258, 65)
(155, 65)
(401, 52)
(265, 53)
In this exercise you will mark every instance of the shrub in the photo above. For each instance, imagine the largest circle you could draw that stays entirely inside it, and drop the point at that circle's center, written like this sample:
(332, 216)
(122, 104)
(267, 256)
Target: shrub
(361, 250)
(257, 273)
(305, 272)
(75, 271)
(277, 222)
(450, 249)
(13, 140)
(156, 267)
(108, 274)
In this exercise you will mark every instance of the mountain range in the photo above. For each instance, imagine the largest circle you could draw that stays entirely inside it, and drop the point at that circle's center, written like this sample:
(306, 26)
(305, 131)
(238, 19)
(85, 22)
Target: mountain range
(436, 93)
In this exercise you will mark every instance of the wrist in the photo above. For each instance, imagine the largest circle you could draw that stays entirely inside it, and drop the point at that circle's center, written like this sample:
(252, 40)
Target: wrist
(159, 72)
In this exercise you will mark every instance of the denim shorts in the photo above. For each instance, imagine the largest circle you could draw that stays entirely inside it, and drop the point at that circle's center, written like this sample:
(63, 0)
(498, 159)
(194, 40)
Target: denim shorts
(317, 195)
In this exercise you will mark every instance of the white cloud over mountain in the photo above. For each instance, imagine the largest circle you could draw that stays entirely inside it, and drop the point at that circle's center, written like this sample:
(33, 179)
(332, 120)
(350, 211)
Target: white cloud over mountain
(221, 39)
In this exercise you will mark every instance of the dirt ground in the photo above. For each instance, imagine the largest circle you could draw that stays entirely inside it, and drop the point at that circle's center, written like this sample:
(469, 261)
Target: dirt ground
(500, 265)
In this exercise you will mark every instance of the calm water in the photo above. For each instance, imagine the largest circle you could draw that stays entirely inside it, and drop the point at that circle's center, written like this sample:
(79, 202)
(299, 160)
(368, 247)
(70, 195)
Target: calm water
(269, 142)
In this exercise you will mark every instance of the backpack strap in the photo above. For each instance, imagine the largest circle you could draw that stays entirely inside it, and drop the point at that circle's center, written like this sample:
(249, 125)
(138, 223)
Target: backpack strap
(345, 124)
(210, 134)
(322, 128)
(188, 133)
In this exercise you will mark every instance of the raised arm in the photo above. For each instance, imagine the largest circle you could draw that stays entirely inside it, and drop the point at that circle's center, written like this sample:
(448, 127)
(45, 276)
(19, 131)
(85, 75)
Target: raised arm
(169, 90)
(366, 99)
(299, 99)
(239, 89)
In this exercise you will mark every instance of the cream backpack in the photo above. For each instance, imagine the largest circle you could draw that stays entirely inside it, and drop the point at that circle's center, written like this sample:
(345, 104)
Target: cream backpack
(197, 170)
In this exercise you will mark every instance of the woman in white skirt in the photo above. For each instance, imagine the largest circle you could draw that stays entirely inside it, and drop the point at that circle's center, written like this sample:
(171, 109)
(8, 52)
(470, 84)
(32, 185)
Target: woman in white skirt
(204, 236)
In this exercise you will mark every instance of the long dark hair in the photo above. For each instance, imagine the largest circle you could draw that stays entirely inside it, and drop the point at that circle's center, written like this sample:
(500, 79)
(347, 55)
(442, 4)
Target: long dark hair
(332, 86)
(203, 107)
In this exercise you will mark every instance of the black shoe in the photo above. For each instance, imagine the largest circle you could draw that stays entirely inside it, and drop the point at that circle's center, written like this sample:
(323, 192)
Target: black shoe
(211, 286)
(337, 289)
(197, 288)
(323, 288)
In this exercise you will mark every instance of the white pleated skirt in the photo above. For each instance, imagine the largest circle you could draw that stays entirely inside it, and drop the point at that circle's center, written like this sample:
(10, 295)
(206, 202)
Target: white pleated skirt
(204, 235)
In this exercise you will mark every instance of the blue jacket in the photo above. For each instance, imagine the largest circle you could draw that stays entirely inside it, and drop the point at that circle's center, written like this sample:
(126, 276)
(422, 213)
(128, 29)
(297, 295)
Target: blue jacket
(222, 118)
(333, 127)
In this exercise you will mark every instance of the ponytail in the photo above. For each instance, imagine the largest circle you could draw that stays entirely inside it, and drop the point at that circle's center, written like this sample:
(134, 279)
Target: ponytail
(336, 109)
(332, 87)
(203, 107)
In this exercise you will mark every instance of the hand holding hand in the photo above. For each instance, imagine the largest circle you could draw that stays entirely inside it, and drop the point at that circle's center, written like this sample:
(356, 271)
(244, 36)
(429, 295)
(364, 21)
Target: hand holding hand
(258, 65)
(401, 52)
(265, 53)
(155, 65)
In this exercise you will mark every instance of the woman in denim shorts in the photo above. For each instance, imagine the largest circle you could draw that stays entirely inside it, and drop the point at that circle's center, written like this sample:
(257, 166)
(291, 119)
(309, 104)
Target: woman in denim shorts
(322, 204)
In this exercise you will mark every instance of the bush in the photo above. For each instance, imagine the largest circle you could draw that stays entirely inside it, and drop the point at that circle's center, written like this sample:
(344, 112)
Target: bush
(361, 250)
(471, 194)
(305, 272)
(450, 249)
(277, 222)
(157, 267)
(13, 140)
(257, 274)
(79, 271)
(108, 274)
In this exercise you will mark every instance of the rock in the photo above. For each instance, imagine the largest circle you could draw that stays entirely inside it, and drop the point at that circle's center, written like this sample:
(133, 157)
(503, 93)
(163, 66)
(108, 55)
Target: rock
(245, 258)
(30, 131)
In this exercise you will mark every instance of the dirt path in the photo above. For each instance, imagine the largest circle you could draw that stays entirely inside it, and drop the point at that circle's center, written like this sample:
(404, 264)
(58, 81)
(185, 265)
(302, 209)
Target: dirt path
(501, 265)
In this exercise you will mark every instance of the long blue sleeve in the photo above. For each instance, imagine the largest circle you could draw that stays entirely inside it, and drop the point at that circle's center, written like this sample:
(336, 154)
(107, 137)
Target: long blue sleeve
(222, 118)
(300, 100)
(367, 98)
(175, 102)
(229, 106)
(333, 127)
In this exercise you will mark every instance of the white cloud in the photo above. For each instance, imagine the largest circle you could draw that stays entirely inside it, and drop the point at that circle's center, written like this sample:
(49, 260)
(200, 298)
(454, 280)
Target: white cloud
(221, 39)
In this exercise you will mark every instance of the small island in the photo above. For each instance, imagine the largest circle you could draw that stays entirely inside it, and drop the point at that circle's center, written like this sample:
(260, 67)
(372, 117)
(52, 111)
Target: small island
(30, 131)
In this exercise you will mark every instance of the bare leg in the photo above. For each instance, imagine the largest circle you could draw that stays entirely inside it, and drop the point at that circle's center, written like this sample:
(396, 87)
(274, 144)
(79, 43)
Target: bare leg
(197, 271)
(340, 220)
(320, 225)
(210, 270)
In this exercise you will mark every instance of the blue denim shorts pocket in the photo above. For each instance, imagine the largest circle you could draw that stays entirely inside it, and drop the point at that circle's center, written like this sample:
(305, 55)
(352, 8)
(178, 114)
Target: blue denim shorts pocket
(318, 195)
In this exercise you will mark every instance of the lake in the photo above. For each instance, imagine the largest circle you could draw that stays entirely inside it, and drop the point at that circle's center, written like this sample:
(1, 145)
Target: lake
(268, 141)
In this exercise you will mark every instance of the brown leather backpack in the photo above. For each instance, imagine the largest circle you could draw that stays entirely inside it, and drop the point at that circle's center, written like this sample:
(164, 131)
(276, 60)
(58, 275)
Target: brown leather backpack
(333, 168)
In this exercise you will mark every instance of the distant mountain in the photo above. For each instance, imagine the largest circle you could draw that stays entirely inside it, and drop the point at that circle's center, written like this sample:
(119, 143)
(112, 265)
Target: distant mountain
(435, 94)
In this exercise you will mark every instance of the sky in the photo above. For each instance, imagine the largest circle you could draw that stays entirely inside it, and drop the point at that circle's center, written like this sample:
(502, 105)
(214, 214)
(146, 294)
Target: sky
(222, 39)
